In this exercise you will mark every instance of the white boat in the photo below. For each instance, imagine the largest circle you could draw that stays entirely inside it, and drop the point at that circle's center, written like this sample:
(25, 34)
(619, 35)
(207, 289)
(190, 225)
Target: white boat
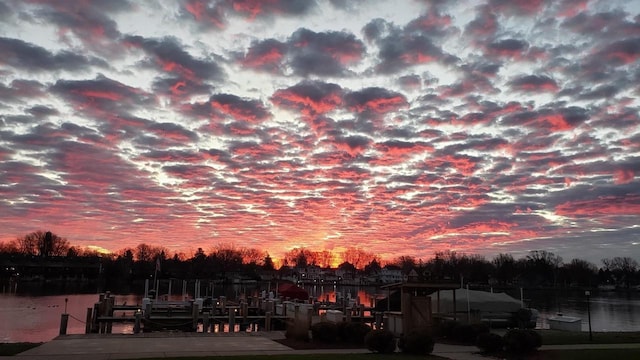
(565, 323)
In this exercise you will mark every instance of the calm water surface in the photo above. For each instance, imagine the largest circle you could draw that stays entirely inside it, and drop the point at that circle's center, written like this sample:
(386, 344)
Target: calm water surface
(37, 318)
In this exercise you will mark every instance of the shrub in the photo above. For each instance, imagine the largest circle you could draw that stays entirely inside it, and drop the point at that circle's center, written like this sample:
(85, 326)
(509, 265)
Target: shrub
(523, 318)
(381, 341)
(355, 332)
(489, 342)
(520, 341)
(417, 342)
(535, 338)
(297, 331)
(324, 332)
(467, 333)
(445, 328)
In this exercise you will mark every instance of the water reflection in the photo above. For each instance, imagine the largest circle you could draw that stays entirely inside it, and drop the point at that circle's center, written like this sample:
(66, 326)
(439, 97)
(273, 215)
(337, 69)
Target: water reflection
(610, 311)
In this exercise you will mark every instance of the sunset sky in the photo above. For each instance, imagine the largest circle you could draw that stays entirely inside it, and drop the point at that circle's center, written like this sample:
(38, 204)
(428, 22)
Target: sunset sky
(398, 127)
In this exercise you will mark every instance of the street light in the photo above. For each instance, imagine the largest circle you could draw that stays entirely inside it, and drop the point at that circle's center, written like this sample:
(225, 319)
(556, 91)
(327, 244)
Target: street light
(588, 293)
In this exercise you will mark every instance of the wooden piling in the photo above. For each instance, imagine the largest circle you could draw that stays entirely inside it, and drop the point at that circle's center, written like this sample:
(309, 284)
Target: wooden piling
(64, 321)
(267, 321)
(205, 322)
(245, 311)
(378, 320)
(232, 318)
(138, 321)
(95, 327)
(88, 320)
(194, 315)
(109, 312)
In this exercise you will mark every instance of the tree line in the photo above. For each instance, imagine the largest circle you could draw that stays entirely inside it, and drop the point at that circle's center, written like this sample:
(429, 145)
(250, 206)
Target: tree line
(538, 268)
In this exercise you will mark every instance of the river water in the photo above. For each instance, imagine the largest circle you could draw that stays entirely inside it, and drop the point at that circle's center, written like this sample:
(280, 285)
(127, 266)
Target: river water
(37, 318)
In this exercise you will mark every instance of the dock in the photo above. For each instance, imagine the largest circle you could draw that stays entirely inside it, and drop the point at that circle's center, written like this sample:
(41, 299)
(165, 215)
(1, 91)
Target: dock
(218, 315)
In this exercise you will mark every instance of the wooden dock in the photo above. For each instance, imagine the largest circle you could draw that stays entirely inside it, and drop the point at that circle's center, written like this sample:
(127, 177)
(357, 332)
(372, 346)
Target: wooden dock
(215, 315)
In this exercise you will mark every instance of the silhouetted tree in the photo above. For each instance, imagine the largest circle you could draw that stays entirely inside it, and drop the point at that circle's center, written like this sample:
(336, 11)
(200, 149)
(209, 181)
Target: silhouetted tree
(267, 263)
(373, 267)
(504, 268)
(580, 272)
(358, 257)
(405, 263)
(542, 265)
(43, 244)
(300, 257)
(623, 268)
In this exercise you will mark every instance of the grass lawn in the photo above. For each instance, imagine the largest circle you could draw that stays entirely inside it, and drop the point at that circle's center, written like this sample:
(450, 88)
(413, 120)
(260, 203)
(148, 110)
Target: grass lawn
(10, 349)
(556, 337)
(584, 354)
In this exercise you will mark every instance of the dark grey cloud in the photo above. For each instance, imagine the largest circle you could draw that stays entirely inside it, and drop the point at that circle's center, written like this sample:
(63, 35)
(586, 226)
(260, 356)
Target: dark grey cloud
(22, 55)
(401, 48)
(323, 53)
(534, 83)
(102, 94)
(169, 55)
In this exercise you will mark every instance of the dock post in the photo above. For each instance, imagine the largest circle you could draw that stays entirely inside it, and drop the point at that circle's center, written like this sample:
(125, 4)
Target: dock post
(110, 304)
(88, 320)
(205, 322)
(296, 312)
(267, 321)
(102, 308)
(269, 307)
(147, 310)
(378, 319)
(245, 311)
(194, 315)
(64, 320)
(136, 325)
(95, 327)
(232, 319)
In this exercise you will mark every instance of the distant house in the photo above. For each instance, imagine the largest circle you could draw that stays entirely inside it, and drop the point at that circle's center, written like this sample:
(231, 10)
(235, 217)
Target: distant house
(390, 276)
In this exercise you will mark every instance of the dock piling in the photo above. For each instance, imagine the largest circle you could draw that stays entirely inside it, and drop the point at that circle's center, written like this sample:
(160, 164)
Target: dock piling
(205, 322)
(88, 321)
(64, 321)
(136, 325)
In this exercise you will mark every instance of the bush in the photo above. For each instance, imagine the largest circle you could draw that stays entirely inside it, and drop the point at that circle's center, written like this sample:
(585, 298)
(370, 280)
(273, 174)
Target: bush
(445, 328)
(381, 341)
(523, 318)
(518, 341)
(355, 332)
(324, 332)
(489, 342)
(467, 333)
(297, 331)
(417, 342)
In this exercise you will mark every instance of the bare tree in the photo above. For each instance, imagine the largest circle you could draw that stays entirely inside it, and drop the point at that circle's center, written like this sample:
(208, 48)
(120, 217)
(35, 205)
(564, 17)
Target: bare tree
(624, 268)
(357, 257)
(43, 244)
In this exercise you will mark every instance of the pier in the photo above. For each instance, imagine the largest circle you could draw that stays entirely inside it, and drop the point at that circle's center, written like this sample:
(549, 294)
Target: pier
(260, 312)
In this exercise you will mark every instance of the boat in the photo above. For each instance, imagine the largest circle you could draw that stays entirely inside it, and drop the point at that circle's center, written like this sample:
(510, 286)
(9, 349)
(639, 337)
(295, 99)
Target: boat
(565, 323)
